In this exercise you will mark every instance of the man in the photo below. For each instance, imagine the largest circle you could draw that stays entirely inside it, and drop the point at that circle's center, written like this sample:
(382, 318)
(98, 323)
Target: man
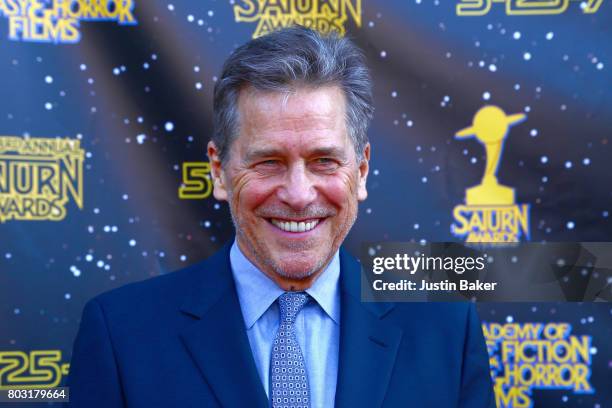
(275, 318)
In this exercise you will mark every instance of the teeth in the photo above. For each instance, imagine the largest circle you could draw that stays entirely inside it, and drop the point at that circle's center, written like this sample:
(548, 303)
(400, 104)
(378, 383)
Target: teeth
(293, 226)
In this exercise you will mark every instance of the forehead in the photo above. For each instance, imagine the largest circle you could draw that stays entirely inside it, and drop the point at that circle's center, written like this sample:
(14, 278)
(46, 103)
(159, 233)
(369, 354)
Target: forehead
(302, 115)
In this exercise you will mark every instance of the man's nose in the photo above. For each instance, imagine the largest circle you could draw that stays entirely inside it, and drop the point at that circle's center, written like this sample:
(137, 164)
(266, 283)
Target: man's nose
(298, 189)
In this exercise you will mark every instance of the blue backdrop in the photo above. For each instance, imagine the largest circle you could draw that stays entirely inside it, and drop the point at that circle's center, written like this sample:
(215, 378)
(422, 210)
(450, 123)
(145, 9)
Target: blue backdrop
(105, 111)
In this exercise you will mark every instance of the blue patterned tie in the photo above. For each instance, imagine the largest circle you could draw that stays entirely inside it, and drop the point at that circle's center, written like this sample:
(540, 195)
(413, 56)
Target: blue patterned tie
(288, 377)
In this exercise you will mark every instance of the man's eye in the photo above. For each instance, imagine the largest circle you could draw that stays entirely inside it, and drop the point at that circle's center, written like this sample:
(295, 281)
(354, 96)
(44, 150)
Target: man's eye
(324, 160)
(325, 163)
(268, 163)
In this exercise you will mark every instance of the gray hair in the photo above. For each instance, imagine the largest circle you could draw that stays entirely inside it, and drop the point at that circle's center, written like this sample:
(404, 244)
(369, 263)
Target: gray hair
(287, 58)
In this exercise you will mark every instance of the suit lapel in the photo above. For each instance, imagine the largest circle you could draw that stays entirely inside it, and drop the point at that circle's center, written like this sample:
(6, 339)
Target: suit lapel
(368, 346)
(217, 340)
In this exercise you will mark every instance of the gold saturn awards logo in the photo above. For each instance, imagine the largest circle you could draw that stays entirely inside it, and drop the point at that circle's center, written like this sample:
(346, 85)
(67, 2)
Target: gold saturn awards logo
(322, 15)
(38, 176)
(490, 213)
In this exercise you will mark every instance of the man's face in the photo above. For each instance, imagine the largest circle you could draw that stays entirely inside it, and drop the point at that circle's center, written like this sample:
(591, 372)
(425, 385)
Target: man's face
(292, 179)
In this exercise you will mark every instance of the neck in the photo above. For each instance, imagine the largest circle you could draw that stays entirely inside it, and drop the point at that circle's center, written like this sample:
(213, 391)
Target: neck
(290, 284)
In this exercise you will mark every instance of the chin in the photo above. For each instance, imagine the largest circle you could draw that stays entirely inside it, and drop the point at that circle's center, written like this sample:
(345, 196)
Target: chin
(297, 268)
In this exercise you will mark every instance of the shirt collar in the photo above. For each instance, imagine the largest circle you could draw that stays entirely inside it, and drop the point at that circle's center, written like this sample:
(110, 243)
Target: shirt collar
(325, 289)
(257, 292)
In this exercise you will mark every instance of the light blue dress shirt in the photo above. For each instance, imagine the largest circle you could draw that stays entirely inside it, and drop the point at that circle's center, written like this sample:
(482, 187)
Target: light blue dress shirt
(317, 325)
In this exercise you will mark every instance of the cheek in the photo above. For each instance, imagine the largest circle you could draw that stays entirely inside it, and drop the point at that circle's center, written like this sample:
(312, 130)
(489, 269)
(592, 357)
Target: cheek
(341, 190)
(251, 192)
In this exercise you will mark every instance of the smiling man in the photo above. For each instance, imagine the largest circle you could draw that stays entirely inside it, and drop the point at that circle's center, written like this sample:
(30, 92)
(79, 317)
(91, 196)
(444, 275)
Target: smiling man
(292, 179)
(275, 317)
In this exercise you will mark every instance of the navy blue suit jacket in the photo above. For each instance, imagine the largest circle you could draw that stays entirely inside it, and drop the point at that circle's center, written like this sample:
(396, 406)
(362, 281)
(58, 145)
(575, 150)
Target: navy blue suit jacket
(179, 340)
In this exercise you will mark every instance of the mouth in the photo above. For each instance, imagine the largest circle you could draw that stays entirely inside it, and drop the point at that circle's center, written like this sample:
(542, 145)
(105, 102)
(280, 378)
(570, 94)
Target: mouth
(295, 226)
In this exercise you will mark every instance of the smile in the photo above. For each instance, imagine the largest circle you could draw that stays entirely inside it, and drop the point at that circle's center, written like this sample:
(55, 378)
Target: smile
(295, 226)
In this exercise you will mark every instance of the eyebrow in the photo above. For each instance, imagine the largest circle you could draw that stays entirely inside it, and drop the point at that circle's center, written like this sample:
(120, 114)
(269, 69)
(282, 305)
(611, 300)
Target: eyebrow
(261, 153)
(328, 151)
(257, 154)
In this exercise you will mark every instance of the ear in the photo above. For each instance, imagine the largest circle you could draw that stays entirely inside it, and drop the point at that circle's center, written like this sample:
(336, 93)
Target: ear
(216, 172)
(364, 168)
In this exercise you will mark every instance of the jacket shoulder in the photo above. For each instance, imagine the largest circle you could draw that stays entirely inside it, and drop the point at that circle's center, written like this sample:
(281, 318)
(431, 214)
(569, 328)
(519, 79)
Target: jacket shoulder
(155, 298)
(170, 287)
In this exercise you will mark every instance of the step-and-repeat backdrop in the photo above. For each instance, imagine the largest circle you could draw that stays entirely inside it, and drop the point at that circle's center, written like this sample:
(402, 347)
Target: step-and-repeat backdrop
(105, 111)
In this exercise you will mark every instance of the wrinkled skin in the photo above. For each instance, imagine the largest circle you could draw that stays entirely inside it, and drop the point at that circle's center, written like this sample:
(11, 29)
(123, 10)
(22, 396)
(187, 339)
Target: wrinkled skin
(292, 161)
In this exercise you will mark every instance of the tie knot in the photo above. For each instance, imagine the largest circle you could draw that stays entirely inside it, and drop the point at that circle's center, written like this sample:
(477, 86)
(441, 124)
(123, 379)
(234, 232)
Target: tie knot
(290, 304)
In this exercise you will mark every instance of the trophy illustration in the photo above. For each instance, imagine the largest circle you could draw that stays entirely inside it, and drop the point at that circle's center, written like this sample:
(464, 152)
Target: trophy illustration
(490, 127)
